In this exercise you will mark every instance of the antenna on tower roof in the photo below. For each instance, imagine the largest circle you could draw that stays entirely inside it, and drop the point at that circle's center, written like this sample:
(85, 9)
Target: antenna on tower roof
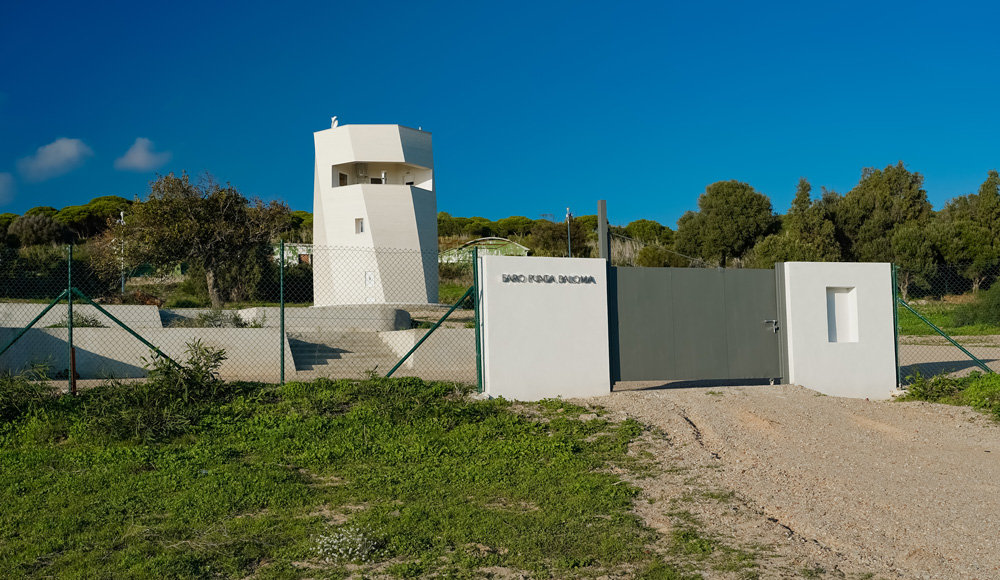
(333, 122)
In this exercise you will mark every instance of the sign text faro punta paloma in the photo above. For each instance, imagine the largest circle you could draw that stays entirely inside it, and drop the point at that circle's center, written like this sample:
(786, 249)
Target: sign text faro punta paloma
(546, 279)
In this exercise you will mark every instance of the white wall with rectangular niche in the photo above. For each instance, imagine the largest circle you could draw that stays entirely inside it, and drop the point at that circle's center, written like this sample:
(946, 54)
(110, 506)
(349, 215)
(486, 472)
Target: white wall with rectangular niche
(840, 333)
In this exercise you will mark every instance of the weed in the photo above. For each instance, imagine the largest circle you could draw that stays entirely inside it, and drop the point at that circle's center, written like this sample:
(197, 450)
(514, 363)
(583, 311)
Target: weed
(79, 321)
(19, 395)
(812, 572)
(976, 390)
(348, 544)
(689, 542)
(218, 318)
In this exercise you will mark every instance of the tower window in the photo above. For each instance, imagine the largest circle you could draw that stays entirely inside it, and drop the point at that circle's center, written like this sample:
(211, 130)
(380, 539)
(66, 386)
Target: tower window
(359, 226)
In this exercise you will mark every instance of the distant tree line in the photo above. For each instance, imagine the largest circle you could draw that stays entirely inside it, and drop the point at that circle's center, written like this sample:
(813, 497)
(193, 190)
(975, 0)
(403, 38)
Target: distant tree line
(886, 217)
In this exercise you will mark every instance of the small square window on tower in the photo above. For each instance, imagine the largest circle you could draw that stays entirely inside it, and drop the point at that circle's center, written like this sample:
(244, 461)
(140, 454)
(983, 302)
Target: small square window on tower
(359, 226)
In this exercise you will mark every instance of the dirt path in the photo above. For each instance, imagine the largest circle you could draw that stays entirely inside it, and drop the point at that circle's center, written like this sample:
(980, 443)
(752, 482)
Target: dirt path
(838, 487)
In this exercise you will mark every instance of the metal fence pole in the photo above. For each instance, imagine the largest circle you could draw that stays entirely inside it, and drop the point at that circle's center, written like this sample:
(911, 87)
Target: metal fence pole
(895, 325)
(475, 305)
(281, 310)
(71, 363)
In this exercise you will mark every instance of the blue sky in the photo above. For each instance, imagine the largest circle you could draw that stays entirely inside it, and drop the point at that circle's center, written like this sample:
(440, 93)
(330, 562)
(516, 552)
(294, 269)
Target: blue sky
(533, 106)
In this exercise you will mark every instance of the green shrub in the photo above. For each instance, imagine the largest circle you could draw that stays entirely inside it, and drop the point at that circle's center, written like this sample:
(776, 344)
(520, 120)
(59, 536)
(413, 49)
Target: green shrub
(976, 390)
(218, 318)
(167, 404)
(79, 321)
(985, 309)
(19, 395)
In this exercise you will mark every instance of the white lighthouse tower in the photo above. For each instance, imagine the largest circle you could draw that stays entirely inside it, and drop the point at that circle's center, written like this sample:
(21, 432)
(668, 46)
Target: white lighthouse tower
(374, 216)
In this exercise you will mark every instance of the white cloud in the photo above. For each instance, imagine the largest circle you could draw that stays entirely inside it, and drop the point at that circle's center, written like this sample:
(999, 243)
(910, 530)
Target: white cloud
(140, 157)
(7, 188)
(57, 158)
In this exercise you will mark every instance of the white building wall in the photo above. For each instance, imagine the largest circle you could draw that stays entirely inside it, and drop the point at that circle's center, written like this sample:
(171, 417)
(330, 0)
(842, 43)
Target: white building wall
(394, 259)
(545, 339)
(840, 330)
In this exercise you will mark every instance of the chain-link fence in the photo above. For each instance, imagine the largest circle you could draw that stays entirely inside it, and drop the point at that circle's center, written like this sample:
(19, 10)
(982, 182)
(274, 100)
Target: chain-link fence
(298, 312)
(629, 252)
(948, 320)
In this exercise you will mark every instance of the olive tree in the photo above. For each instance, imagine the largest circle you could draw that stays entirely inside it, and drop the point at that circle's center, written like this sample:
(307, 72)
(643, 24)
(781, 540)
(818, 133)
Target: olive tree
(209, 226)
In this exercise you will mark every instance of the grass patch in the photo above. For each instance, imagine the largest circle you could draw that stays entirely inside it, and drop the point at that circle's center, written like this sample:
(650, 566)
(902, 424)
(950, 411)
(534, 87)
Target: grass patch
(951, 318)
(976, 390)
(185, 476)
(451, 293)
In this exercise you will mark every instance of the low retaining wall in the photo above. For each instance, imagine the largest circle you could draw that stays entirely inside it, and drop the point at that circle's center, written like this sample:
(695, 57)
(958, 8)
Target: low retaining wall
(378, 317)
(252, 353)
(449, 350)
(13, 315)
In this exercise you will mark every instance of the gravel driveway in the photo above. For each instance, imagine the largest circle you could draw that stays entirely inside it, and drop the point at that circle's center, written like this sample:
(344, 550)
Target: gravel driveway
(836, 487)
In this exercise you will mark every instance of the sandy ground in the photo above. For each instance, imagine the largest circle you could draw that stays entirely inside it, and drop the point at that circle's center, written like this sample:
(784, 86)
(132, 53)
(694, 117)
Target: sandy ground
(836, 488)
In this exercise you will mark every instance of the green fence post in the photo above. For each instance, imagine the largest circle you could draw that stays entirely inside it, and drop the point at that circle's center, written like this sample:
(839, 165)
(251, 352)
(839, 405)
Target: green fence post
(71, 361)
(895, 325)
(475, 305)
(281, 310)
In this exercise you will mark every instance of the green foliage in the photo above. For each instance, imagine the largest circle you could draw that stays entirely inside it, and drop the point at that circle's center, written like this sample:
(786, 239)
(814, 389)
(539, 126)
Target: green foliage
(881, 201)
(44, 210)
(985, 309)
(93, 218)
(478, 227)
(22, 394)
(80, 320)
(514, 226)
(913, 252)
(242, 480)
(299, 228)
(169, 403)
(732, 217)
(39, 273)
(37, 229)
(549, 238)
(218, 318)
(5, 220)
(947, 317)
(210, 226)
(653, 257)
(650, 232)
(976, 390)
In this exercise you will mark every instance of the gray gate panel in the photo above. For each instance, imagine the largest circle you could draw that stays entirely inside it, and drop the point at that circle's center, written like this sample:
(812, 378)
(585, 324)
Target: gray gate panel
(753, 345)
(645, 325)
(699, 305)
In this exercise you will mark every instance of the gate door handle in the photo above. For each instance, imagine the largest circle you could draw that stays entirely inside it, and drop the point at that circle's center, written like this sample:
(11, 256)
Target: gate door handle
(774, 325)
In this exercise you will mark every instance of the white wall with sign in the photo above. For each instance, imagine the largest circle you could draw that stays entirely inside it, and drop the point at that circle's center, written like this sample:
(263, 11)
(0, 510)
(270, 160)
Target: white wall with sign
(840, 328)
(545, 327)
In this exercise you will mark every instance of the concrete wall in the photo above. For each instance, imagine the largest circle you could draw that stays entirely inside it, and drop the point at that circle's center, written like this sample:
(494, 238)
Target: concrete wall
(253, 353)
(545, 339)
(448, 350)
(379, 317)
(15, 315)
(839, 325)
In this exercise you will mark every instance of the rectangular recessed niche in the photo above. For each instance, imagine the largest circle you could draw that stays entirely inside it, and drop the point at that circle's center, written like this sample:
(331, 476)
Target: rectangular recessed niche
(842, 314)
(359, 226)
